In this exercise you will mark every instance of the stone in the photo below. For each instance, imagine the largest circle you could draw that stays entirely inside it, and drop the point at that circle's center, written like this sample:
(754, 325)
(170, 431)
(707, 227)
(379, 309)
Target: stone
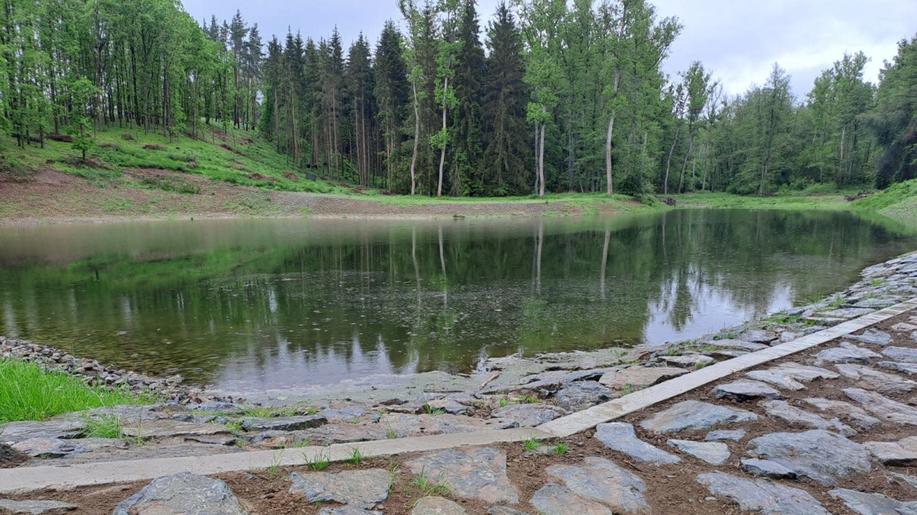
(819, 455)
(873, 504)
(758, 336)
(164, 428)
(10, 457)
(788, 336)
(554, 499)
(638, 377)
(350, 414)
(581, 394)
(695, 415)
(855, 415)
(736, 344)
(449, 405)
(57, 447)
(902, 453)
(437, 506)
(904, 327)
(52, 429)
(183, 493)
(714, 453)
(472, 473)
(505, 510)
(905, 368)
(688, 360)
(846, 313)
(355, 488)
(791, 376)
(793, 415)
(402, 424)
(601, 480)
(745, 390)
(873, 379)
(905, 479)
(621, 437)
(762, 496)
(34, 507)
(730, 435)
(901, 354)
(882, 407)
(528, 415)
(767, 468)
(873, 337)
(348, 510)
(282, 423)
(845, 353)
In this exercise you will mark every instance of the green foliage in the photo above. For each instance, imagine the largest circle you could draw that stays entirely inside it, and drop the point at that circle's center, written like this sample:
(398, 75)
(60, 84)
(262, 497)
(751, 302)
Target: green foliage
(530, 445)
(106, 426)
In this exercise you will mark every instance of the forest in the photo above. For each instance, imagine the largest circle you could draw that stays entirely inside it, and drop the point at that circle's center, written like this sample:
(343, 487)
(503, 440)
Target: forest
(540, 96)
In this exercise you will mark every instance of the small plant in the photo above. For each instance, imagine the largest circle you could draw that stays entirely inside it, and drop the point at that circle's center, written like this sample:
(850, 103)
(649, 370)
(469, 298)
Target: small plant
(274, 470)
(319, 463)
(699, 365)
(356, 457)
(429, 487)
(504, 402)
(235, 427)
(430, 410)
(530, 445)
(106, 426)
(627, 389)
(391, 434)
(530, 399)
(561, 449)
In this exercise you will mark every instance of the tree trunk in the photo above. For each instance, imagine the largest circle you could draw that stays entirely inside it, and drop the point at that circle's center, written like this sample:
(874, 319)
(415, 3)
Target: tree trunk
(442, 152)
(609, 177)
(541, 162)
(416, 138)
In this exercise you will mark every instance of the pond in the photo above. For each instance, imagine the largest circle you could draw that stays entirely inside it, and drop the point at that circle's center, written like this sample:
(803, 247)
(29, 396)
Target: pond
(249, 305)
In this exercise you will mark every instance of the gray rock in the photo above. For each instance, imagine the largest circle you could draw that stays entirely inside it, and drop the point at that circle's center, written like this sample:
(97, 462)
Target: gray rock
(745, 390)
(350, 414)
(767, 468)
(874, 337)
(730, 435)
(736, 344)
(528, 415)
(905, 368)
(165, 428)
(553, 499)
(910, 481)
(758, 336)
(355, 488)
(847, 313)
(688, 360)
(882, 407)
(601, 480)
(505, 510)
(185, 494)
(437, 506)
(845, 353)
(639, 377)
(348, 510)
(473, 473)
(791, 376)
(58, 448)
(903, 327)
(901, 354)
(403, 425)
(762, 496)
(853, 414)
(619, 436)
(282, 423)
(581, 394)
(873, 379)
(793, 415)
(695, 415)
(820, 455)
(902, 453)
(52, 429)
(449, 405)
(873, 504)
(788, 336)
(714, 453)
(34, 507)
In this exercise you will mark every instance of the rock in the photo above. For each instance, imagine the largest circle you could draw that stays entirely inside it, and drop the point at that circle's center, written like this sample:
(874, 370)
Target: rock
(820, 455)
(731, 435)
(638, 377)
(355, 488)
(282, 423)
(745, 390)
(902, 453)
(528, 415)
(882, 407)
(348, 510)
(902, 354)
(736, 344)
(762, 496)
(504, 510)
(619, 436)
(695, 415)
(36, 507)
(437, 506)
(601, 480)
(905, 368)
(905, 479)
(855, 415)
(791, 376)
(581, 394)
(845, 353)
(903, 327)
(403, 425)
(758, 336)
(873, 337)
(846, 313)
(553, 499)
(52, 429)
(873, 379)
(767, 468)
(449, 405)
(873, 504)
(10, 457)
(788, 336)
(793, 415)
(688, 360)
(57, 448)
(183, 493)
(164, 428)
(473, 473)
(714, 453)
(333, 433)
(351, 414)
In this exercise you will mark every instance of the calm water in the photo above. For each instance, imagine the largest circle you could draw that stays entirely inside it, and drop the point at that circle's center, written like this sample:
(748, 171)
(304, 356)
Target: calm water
(270, 304)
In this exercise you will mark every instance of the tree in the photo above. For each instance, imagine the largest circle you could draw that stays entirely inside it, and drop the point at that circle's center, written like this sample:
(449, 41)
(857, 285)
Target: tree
(391, 92)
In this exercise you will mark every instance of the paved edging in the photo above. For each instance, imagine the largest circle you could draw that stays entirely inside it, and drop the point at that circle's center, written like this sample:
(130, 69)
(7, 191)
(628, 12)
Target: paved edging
(26, 479)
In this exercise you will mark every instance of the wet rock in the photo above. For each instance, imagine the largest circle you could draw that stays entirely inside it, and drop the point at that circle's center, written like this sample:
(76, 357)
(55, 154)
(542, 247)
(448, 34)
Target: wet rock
(36, 507)
(639, 377)
(845, 353)
(873, 337)
(695, 415)
(601, 480)
(473, 473)
(901, 354)
(745, 390)
(762, 496)
(437, 506)
(758, 336)
(619, 436)
(688, 360)
(714, 453)
(731, 435)
(853, 414)
(581, 395)
(403, 425)
(902, 453)
(882, 407)
(767, 468)
(820, 455)
(183, 493)
(793, 415)
(528, 415)
(905, 368)
(355, 488)
(791, 376)
(282, 423)
(873, 504)
(553, 499)
(875, 380)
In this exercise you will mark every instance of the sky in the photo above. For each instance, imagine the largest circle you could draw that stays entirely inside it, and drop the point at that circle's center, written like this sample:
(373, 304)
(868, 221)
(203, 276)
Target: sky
(738, 40)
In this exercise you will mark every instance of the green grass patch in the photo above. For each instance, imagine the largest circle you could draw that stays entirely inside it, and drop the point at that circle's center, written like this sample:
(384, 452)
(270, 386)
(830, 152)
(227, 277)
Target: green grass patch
(107, 426)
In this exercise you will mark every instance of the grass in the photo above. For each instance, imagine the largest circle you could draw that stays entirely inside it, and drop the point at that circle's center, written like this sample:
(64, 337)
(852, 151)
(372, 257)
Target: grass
(106, 426)
(27, 392)
(429, 487)
(318, 464)
(356, 457)
(530, 445)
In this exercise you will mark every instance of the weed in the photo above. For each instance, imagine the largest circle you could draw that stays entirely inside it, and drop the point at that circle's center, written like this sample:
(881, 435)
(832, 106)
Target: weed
(320, 463)
(429, 487)
(561, 449)
(355, 457)
(530, 445)
(105, 426)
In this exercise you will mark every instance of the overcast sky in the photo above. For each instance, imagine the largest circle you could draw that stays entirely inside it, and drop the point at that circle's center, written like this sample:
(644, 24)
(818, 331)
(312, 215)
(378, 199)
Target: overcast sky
(738, 40)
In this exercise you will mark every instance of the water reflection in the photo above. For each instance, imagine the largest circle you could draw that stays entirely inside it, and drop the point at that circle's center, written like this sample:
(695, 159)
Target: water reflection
(270, 304)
